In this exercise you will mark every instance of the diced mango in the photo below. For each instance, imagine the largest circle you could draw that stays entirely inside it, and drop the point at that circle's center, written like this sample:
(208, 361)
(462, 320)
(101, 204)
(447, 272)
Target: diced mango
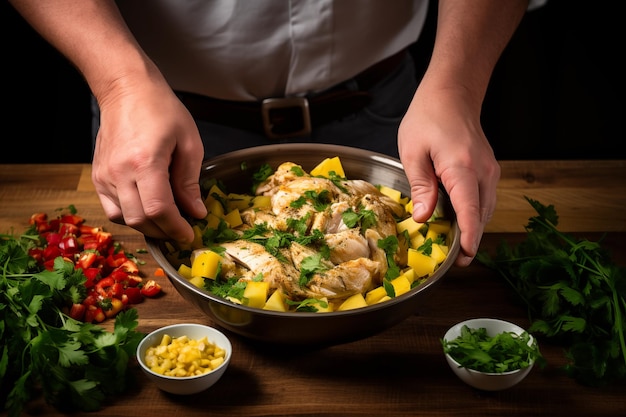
(206, 264)
(409, 274)
(197, 281)
(423, 265)
(411, 226)
(437, 253)
(255, 294)
(324, 309)
(261, 201)
(184, 271)
(239, 201)
(417, 241)
(197, 237)
(328, 165)
(352, 302)
(373, 296)
(233, 218)
(214, 206)
(385, 298)
(212, 221)
(218, 191)
(408, 207)
(276, 301)
(401, 285)
(392, 193)
(441, 227)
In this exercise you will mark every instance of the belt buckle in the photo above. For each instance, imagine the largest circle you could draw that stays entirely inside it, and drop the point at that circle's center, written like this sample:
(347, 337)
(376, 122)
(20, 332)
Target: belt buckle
(286, 117)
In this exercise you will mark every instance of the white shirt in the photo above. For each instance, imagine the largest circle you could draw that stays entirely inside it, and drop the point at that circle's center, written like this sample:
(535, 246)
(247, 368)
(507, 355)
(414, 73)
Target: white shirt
(255, 49)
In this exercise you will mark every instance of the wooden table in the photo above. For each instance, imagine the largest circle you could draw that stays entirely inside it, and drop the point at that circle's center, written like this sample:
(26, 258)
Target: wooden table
(400, 372)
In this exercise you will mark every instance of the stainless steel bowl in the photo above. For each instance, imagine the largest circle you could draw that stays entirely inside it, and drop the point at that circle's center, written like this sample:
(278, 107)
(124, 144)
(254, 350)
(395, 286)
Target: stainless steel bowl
(312, 329)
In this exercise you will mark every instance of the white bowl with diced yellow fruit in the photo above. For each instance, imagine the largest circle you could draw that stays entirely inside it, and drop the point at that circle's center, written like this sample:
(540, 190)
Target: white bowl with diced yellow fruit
(320, 199)
(184, 358)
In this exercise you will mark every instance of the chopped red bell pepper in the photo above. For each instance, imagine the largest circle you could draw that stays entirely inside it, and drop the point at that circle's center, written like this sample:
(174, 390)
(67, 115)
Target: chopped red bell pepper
(151, 288)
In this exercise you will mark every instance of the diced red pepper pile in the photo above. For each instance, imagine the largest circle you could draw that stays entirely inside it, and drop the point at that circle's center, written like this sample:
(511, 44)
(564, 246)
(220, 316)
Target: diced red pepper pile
(113, 280)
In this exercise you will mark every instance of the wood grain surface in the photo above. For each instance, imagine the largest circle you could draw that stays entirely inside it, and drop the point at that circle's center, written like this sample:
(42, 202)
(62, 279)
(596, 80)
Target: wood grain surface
(399, 372)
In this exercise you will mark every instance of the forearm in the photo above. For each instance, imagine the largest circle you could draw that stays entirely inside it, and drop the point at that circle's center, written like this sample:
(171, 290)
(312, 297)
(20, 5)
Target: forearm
(471, 36)
(93, 36)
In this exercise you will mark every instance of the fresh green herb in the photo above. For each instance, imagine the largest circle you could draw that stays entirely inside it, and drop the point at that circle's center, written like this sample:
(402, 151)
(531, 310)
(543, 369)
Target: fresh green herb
(75, 365)
(390, 246)
(261, 175)
(298, 171)
(504, 352)
(364, 218)
(232, 287)
(309, 305)
(574, 293)
(319, 201)
(311, 265)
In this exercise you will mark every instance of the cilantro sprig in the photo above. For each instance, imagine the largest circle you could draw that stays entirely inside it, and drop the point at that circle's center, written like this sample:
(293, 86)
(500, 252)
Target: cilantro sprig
(75, 365)
(574, 292)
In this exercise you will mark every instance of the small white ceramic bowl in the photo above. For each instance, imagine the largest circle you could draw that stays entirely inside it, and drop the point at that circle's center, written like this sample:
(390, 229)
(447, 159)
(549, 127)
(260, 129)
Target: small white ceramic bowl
(191, 384)
(484, 380)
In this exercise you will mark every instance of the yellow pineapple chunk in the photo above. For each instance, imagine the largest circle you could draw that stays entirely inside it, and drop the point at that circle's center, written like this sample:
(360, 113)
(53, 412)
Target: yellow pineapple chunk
(184, 271)
(206, 264)
(411, 226)
(392, 193)
(276, 301)
(239, 201)
(401, 285)
(438, 253)
(233, 218)
(352, 302)
(409, 274)
(373, 296)
(328, 165)
(323, 309)
(197, 281)
(423, 265)
(261, 201)
(255, 294)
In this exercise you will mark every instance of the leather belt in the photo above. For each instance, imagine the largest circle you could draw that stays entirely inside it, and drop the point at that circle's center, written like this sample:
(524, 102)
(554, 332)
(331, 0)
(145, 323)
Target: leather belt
(292, 117)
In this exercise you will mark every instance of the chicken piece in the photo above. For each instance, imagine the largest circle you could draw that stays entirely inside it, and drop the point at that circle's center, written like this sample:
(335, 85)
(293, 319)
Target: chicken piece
(377, 254)
(255, 258)
(346, 279)
(283, 174)
(347, 245)
(385, 222)
(359, 188)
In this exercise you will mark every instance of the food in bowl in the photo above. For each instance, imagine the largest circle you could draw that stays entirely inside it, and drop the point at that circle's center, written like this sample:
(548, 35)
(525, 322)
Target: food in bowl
(310, 241)
(490, 354)
(305, 329)
(184, 358)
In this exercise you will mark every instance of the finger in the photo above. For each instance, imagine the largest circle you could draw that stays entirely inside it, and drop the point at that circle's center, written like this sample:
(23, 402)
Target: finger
(464, 195)
(159, 213)
(134, 213)
(185, 176)
(424, 189)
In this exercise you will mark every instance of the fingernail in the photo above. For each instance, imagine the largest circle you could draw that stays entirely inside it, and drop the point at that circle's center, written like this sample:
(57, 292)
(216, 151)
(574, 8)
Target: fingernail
(199, 206)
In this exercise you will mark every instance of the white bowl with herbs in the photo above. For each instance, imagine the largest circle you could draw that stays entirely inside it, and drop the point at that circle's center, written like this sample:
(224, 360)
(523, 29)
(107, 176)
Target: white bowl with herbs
(490, 354)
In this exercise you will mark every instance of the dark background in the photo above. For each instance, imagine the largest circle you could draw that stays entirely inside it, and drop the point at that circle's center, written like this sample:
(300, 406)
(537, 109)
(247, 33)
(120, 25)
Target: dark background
(557, 92)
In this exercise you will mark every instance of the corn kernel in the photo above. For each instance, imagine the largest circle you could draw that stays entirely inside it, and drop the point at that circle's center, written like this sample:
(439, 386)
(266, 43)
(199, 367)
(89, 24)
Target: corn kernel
(183, 357)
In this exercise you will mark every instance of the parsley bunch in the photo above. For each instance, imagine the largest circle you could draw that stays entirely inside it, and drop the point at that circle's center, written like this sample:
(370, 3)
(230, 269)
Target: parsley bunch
(574, 293)
(74, 365)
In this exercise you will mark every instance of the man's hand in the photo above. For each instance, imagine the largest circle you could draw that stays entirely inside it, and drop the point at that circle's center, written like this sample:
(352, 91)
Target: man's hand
(147, 161)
